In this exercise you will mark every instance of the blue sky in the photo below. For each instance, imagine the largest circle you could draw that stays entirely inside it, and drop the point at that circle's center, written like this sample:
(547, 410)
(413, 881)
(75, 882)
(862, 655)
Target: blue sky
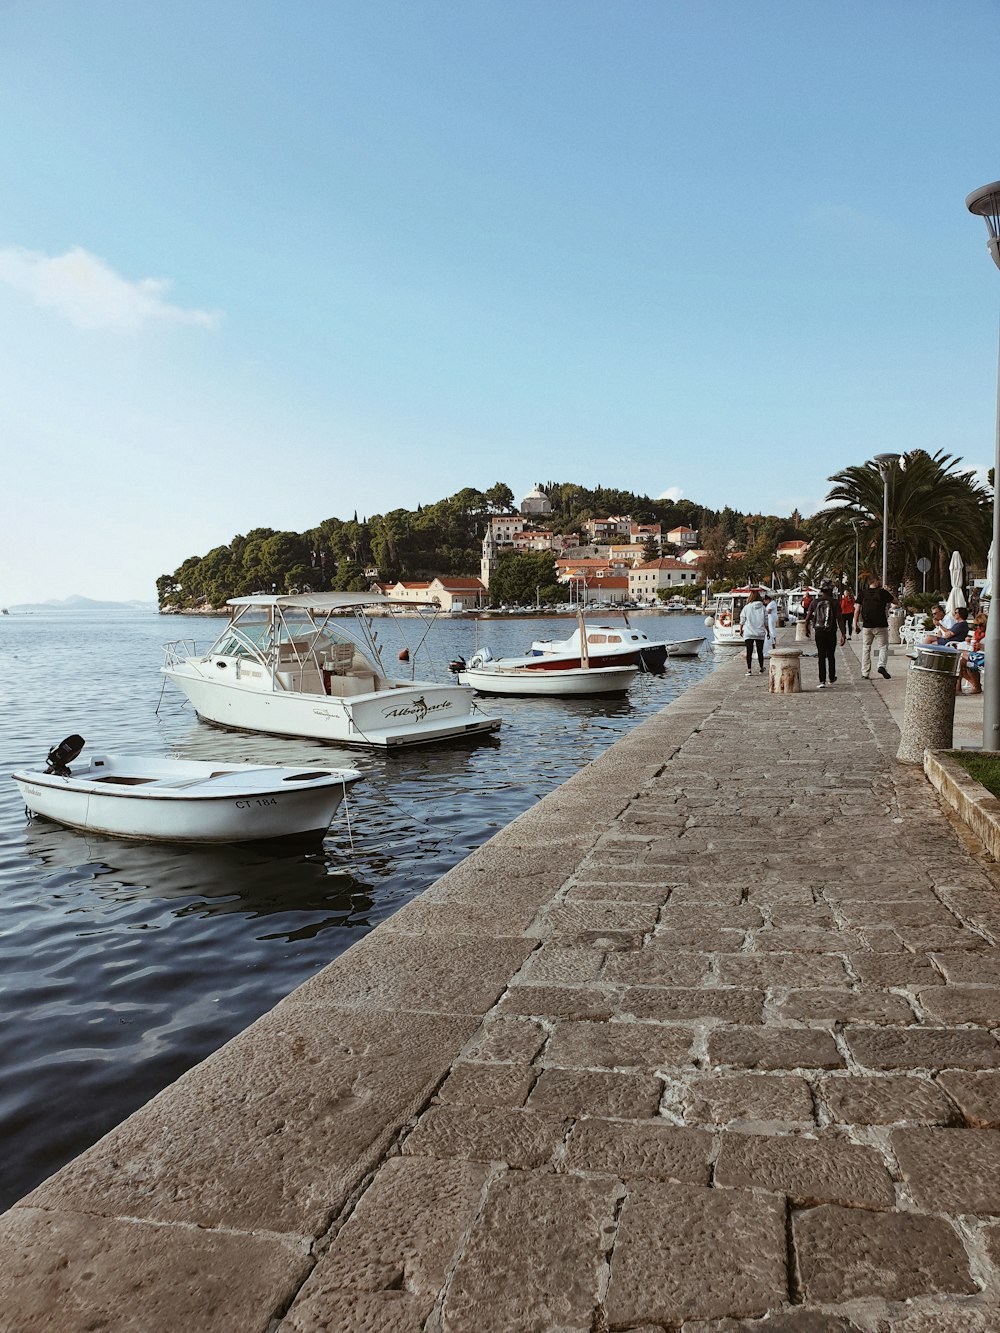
(264, 263)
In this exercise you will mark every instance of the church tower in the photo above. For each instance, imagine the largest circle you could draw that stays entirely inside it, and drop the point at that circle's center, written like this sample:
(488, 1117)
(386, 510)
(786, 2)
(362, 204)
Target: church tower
(489, 559)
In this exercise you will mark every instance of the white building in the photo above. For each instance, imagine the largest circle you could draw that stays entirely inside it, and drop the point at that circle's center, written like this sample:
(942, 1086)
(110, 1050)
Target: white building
(792, 550)
(641, 532)
(607, 529)
(448, 592)
(683, 536)
(536, 502)
(504, 526)
(645, 581)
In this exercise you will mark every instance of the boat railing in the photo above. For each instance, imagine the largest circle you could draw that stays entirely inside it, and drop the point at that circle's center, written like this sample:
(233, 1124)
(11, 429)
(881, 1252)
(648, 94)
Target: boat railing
(175, 653)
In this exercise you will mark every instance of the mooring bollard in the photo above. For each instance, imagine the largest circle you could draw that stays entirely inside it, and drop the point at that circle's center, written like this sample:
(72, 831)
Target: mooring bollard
(784, 675)
(800, 632)
(929, 711)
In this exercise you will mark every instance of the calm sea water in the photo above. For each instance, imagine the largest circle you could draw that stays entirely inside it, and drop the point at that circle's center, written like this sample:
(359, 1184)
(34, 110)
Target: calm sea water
(122, 964)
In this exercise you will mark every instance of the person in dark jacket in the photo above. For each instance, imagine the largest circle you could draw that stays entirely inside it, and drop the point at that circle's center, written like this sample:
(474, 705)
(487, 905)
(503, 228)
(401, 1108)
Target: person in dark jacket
(826, 619)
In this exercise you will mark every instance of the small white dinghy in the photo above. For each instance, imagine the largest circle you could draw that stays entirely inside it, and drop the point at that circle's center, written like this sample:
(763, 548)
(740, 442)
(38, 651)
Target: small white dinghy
(510, 675)
(180, 800)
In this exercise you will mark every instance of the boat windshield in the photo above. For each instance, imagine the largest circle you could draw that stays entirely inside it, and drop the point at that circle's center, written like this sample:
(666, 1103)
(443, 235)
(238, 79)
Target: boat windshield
(288, 637)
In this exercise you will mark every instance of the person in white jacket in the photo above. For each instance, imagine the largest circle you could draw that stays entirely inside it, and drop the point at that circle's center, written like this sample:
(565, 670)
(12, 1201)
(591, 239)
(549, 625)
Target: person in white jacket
(753, 627)
(771, 609)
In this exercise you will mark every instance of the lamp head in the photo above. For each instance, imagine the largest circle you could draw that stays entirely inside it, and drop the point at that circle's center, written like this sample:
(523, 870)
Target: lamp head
(985, 203)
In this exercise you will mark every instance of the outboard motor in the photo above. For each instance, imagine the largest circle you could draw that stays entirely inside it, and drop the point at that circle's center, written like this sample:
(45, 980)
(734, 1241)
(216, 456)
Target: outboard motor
(63, 754)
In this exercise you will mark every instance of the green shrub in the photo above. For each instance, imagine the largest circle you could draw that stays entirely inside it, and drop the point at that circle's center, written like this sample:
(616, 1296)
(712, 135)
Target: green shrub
(922, 601)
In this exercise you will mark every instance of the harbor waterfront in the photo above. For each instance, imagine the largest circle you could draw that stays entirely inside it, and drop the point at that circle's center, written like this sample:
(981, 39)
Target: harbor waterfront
(122, 964)
(706, 1034)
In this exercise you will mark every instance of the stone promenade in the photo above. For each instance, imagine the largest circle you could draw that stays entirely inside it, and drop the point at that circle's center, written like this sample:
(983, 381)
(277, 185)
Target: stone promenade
(704, 1041)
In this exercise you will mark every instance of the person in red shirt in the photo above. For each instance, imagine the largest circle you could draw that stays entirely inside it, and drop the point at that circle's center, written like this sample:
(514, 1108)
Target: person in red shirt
(847, 611)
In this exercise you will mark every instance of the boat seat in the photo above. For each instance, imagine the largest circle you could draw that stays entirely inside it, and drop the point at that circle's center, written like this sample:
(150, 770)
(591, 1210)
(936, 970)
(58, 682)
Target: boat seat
(122, 781)
(307, 679)
(339, 658)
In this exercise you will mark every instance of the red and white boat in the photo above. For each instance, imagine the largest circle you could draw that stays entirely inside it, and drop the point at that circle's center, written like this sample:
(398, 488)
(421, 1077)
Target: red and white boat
(610, 645)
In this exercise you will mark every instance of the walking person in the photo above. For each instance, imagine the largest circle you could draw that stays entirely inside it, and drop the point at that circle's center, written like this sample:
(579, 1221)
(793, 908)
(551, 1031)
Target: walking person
(825, 617)
(753, 627)
(771, 611)
(847, 610)
(872, 616)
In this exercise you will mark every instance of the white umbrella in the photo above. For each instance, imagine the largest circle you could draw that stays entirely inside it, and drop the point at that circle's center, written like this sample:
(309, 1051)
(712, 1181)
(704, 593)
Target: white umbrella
(987, 588)
(956, 598)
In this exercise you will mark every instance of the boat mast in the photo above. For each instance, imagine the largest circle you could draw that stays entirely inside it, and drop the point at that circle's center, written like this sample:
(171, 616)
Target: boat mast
(584, 646)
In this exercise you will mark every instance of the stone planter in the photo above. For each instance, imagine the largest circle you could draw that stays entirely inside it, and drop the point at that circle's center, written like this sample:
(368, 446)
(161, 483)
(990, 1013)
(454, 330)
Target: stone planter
(971, 801)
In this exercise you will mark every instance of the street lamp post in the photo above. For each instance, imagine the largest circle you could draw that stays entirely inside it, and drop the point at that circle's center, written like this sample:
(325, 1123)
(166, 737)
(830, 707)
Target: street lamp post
(985, 203)
(885, 462)
(857, 570)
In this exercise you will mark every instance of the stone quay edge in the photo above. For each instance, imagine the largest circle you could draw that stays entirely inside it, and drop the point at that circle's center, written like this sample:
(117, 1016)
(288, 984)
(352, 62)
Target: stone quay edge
(706, 1040)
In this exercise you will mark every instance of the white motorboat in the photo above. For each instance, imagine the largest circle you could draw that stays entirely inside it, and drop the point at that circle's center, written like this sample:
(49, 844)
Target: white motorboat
(177, 800)
(281, 666)
(516, 676)
(606, 645)
(684, 647)
(726, 629)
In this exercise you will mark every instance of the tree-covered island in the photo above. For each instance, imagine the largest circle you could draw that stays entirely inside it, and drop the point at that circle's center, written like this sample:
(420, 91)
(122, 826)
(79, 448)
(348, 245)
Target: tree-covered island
(935, 507)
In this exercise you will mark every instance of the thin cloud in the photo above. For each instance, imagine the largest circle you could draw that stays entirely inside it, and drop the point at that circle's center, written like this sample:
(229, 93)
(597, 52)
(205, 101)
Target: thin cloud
(86, 291)
(673, 493)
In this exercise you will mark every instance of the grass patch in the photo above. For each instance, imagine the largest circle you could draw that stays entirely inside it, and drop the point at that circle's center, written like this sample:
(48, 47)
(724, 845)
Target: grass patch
(985, 768)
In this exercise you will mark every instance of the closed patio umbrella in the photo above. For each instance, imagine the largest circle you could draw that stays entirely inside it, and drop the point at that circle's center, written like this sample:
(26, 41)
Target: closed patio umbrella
(956, 598)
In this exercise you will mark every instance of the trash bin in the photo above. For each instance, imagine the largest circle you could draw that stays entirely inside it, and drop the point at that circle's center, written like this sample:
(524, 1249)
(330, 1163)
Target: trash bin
(895, 618)
(929, 711)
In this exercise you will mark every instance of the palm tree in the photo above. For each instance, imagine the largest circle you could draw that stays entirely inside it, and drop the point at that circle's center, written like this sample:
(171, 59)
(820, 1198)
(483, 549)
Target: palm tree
(933, 509)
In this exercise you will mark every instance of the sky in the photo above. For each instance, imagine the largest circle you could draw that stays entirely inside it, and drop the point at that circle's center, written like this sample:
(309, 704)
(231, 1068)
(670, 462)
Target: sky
(264, 263)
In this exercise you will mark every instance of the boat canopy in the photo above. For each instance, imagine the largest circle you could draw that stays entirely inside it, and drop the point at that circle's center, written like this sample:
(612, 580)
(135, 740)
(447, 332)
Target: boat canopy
(324, 602)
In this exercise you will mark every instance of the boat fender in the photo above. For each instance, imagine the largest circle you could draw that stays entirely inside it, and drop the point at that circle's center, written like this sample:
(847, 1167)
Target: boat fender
(62, 755)
(404, 654)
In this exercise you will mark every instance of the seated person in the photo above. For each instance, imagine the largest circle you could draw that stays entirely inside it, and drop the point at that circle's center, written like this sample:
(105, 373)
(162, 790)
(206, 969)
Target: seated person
(946, 638)
(974, 659)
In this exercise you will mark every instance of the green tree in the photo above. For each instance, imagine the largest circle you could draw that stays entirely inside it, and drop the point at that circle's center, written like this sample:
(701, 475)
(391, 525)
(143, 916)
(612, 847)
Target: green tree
(934, 508)
(499, 498)
(650, 550)
(520, 575)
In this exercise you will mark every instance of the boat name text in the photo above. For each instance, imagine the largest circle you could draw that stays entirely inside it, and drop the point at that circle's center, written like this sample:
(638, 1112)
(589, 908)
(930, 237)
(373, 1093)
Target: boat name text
(418, 709)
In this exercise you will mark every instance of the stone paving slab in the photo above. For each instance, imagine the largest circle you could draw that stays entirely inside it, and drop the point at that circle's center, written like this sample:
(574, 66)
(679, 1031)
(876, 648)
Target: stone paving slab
(706, 1041)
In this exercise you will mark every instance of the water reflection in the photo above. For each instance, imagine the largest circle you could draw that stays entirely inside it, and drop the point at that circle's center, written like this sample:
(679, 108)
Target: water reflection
(204, 881)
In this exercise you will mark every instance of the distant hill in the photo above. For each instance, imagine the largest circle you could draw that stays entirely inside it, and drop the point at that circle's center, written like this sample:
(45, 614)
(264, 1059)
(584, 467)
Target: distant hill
(77, 603)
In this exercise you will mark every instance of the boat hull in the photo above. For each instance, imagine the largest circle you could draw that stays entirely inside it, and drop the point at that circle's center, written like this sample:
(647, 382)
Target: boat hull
(684, 647)
(572, 682)
(243, 803)
(723, 637)
(416, 714)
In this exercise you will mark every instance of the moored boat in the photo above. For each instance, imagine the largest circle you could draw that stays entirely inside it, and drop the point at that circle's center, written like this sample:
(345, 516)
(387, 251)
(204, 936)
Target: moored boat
(726, 629)
(605, 645)
(684, 647)
(513, 676)
(281, 666)
(175, 800)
